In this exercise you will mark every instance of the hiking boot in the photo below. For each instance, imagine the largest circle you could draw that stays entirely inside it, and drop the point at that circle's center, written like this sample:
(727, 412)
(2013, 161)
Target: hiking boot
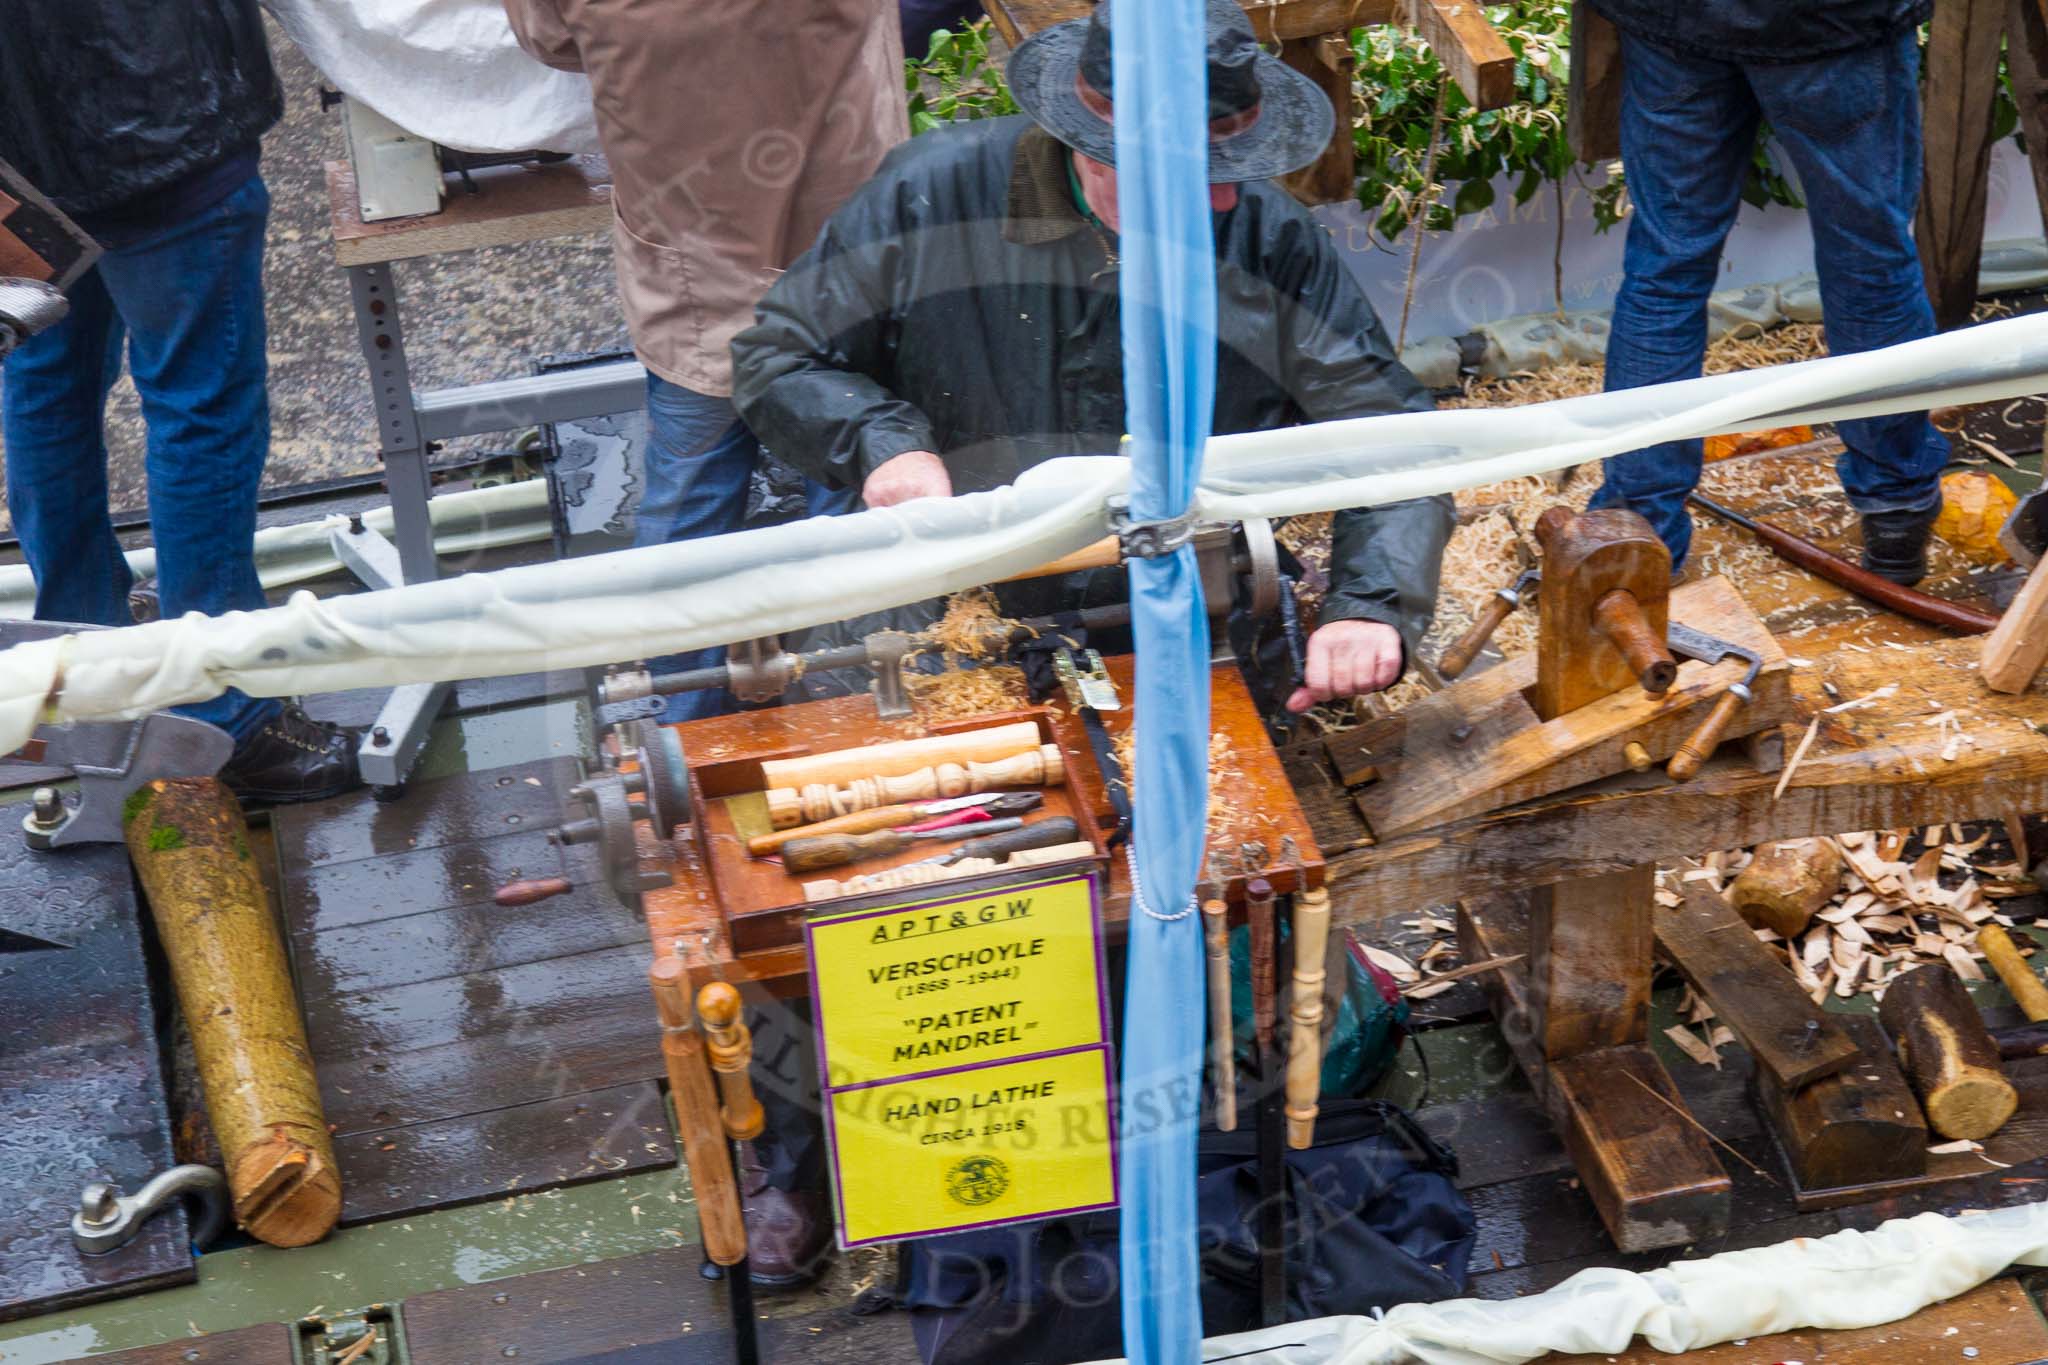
(789, 1232)
(291, 758)
(1895, 543)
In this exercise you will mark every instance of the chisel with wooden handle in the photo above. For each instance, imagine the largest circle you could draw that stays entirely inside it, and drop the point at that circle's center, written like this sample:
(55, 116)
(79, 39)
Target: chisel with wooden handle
(836, 850)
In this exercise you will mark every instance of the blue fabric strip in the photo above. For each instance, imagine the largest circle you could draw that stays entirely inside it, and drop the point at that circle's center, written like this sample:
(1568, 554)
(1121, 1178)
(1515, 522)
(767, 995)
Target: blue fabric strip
(1168, 283)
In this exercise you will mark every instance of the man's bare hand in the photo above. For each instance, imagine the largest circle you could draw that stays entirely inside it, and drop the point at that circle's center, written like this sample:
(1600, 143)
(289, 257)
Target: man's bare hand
(1346, 658)
(913, 474)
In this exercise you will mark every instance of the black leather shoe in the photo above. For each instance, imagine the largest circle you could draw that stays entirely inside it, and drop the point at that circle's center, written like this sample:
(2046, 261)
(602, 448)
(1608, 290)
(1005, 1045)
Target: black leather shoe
(1895, 543)
(789, 1232)
(293, 758)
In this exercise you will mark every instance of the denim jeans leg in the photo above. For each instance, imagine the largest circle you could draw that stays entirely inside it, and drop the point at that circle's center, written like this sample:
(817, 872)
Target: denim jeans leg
(52, 402)
(1850, 125)
(191, 299)
(1687, 127)
(698, 461)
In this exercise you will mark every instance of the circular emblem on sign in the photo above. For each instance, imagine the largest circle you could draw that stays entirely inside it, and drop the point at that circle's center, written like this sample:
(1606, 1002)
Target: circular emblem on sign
(978, 1180)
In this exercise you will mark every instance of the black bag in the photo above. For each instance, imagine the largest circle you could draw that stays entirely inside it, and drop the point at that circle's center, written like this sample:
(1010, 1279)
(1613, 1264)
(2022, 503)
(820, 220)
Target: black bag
(1374, 1219)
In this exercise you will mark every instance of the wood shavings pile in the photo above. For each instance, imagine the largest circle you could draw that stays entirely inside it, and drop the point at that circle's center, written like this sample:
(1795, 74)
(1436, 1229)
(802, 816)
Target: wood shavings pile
(1908, 897)
(959, 693)
(1747, 348)
(1231, 823)
(972, 628)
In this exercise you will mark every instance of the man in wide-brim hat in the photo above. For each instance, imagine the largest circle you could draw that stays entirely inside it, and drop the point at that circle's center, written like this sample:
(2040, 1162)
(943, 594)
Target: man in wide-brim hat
(957, 321)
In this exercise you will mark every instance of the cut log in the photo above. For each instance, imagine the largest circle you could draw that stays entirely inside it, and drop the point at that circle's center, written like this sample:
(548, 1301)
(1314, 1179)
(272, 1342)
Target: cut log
(191, 852)
(1948, 1054)
(1786, 883)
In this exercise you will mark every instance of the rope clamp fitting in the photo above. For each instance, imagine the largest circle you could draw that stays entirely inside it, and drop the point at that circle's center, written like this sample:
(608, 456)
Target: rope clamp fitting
(1148, 539)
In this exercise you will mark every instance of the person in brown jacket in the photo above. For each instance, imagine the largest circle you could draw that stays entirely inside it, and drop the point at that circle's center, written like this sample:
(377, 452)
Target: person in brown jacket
(733, 133)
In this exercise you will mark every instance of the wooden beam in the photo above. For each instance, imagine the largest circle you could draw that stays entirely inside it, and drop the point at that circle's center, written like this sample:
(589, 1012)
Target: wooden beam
(1329, 60)
(2026, 65)
(1590, 962)
(1470, 48)
(1860, 1127)
(1593, 90)
(1793, 1041)
(1960, 84)
(1880, 766)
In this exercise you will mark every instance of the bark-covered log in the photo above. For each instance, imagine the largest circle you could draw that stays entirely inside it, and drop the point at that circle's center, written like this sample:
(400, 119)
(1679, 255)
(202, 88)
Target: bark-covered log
(1786, 883)
(1948, 1054)
(191, 850)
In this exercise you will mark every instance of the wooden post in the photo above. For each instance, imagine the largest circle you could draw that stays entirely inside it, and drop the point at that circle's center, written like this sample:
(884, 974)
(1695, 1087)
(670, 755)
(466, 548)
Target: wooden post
(1305, 1043)
(1949, 1055)
(1960, 81)
(1593, 99)
(1328, 60)
(731, 1046)
(1222, 1030)
(1590, 961)
(190, 847)
(697, 1120)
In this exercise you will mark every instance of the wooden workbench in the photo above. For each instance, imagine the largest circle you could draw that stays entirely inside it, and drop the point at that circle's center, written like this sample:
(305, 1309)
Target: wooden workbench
(514, 204)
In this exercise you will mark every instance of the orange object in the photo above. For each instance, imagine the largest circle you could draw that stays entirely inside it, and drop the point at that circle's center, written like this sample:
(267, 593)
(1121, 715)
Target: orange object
(1728, 446)
(1974, 504)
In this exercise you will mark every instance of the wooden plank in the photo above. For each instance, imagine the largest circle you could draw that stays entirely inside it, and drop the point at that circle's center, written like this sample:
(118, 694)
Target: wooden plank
(1880, 766)
(268, 1343)
(1858, 1126)
(1330, 61)
(373, 890)
(1593, 94)
(2018, 645)
(1272, 20)
(515, 204)
(1996, 1321)
(1793, 1040)
(523, 797)
(1959, 86)
(460, 939)
(1589, 962)
(1470, 49)
(1511, 755)
(474, 1157)
(1651, 1175)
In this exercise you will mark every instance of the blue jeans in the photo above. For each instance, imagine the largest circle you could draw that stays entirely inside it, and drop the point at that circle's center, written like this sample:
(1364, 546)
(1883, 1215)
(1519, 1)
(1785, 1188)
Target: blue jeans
(700, 457)
(1850, 124)
(188, 304)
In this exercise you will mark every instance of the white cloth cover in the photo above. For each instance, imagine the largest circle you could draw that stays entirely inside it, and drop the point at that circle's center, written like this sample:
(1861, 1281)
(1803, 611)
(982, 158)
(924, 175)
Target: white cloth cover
(646, 602)
(1846, 1279)
(446, 70)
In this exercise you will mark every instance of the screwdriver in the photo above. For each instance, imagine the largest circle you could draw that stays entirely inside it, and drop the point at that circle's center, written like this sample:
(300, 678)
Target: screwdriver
(832, 850)
(1060, 829)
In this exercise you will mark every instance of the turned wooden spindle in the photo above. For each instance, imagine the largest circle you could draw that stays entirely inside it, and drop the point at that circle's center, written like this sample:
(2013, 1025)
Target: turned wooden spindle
(1305, 1042)
(1258, 895)
(731, 1046)
(1620, 618)
(697, 1117)
(1222, 1039)
(902, 756)
(1042, 766)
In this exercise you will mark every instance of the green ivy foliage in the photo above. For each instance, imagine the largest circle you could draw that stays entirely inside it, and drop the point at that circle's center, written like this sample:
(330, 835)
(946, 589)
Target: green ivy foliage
(956, 81)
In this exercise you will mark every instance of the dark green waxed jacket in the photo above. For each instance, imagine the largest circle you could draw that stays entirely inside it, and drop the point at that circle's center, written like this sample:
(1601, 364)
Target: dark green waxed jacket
(961, 303)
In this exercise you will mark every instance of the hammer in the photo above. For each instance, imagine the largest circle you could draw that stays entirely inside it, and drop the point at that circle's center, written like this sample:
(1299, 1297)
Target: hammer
(1699, 746)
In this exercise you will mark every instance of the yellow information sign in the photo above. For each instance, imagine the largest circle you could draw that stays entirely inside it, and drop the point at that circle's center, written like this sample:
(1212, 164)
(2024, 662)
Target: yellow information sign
(964, 1046)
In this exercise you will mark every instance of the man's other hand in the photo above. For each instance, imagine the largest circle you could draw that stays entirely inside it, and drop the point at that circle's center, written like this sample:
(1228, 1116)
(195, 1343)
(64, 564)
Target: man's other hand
(1346, 658)
(913, 474)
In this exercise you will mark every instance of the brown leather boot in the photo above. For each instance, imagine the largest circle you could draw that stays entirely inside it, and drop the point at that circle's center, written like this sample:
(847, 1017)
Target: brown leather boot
(789, 1232)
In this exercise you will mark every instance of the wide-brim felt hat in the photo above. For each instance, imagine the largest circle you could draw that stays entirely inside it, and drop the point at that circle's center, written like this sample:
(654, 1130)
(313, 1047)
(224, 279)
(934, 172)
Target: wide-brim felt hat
(1265, 118)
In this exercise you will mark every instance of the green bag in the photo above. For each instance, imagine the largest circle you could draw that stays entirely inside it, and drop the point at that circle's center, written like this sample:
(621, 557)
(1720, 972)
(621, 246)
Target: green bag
(1371, 1016)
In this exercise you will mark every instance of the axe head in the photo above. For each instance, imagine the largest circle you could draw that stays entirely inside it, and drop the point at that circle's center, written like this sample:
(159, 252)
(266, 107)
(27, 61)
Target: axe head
(2025, 534)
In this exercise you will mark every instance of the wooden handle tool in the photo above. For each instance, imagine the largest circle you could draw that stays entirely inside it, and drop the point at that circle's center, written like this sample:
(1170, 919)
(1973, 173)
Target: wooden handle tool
(1620, 618)
(731, 1045)
(532, 889)
(1305, 1041)
(1459, 656)
(836, 850)
(2020, 979)
(697, 1116)
(1222, 1040)
(1258, 899)
(1699, 746)
(1949, 1056)
(859, 822)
